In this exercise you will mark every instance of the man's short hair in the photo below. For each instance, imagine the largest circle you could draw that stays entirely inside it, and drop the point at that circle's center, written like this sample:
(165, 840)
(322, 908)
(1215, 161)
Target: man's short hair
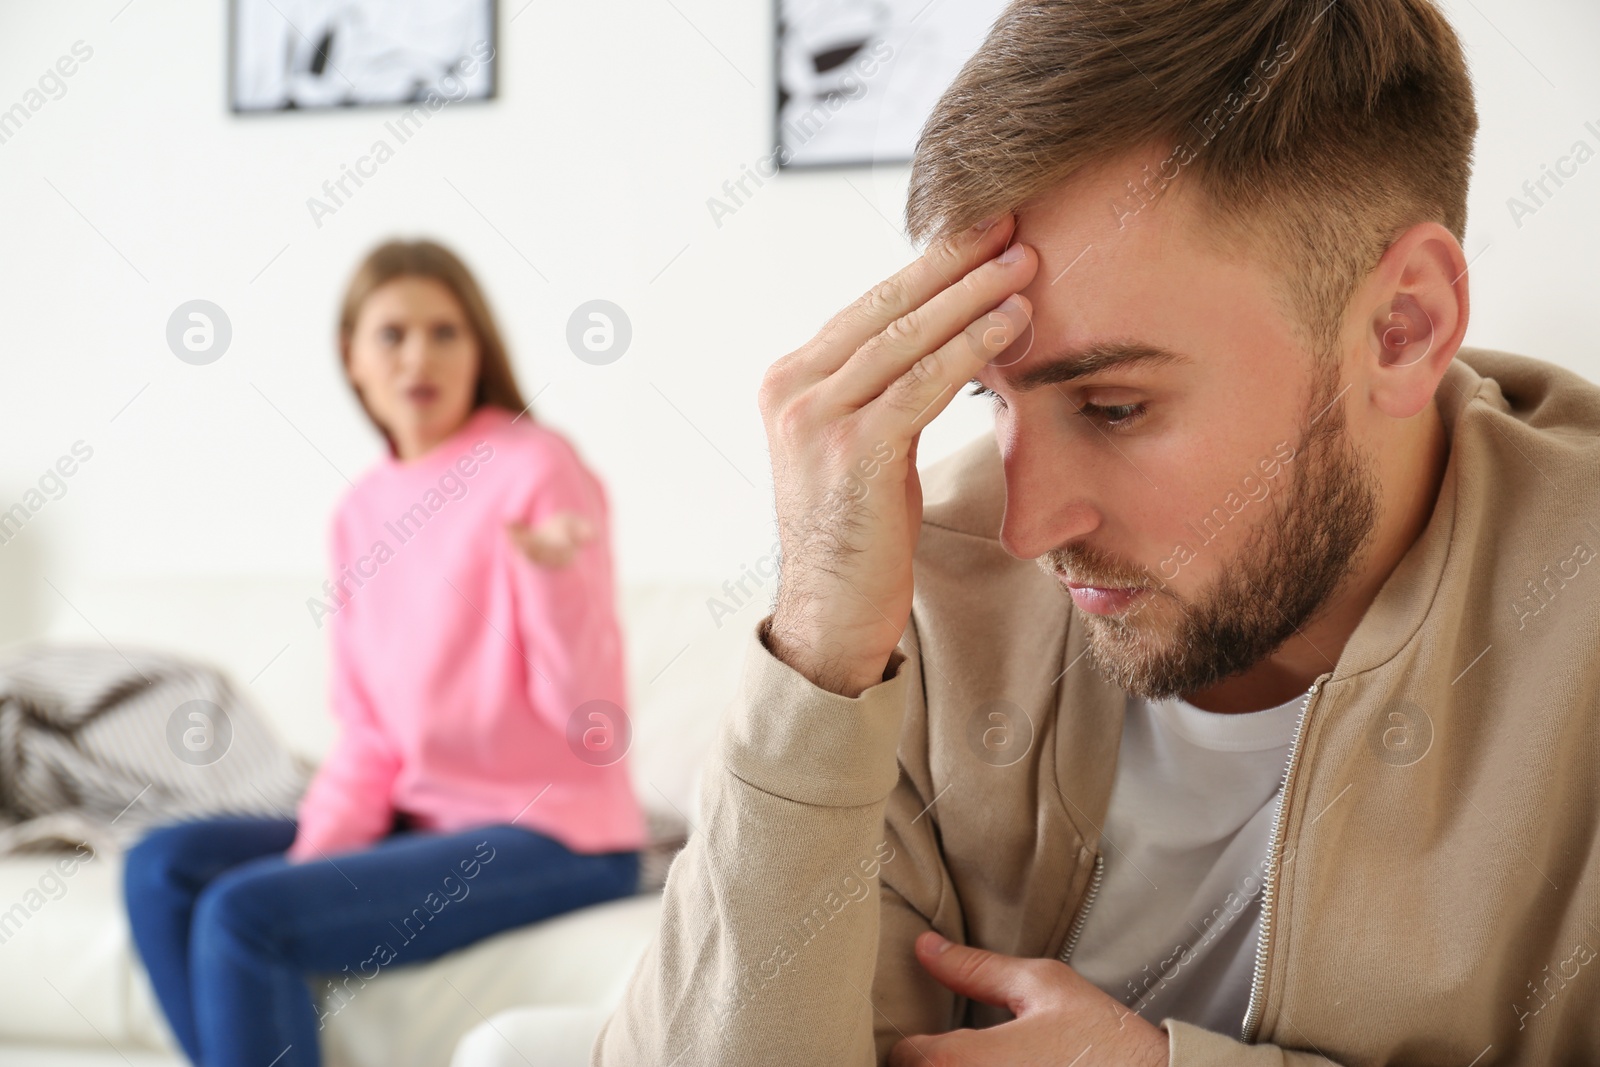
(1316, 130)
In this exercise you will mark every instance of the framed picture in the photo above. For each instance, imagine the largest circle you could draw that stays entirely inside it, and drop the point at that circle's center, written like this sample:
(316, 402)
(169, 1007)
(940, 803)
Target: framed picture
(857, 78)
(289, 55)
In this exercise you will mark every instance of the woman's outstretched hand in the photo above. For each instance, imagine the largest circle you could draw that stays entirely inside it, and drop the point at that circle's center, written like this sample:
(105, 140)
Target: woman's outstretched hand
(555, 541)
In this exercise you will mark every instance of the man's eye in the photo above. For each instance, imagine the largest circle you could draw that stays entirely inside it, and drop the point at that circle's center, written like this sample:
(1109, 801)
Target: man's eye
(389, 335)
(1119, 416)
(1116, 416)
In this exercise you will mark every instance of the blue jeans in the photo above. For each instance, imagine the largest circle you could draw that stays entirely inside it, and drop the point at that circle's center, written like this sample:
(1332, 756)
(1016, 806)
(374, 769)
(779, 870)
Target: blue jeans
(239, 943)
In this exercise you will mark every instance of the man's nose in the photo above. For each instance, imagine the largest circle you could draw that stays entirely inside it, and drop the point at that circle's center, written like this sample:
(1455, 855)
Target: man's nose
(1046, 505)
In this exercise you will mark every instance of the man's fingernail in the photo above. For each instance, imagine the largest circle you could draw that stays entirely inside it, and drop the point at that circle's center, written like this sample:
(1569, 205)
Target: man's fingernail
(939, 943)
(1011, 255)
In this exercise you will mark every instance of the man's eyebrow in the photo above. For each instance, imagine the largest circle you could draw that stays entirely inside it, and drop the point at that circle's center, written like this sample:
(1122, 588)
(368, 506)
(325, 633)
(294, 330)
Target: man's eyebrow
(1092, 359)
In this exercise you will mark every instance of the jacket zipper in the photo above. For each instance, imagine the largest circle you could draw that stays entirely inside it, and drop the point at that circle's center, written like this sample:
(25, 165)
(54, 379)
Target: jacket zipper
(1269, 887)
(1083, 909)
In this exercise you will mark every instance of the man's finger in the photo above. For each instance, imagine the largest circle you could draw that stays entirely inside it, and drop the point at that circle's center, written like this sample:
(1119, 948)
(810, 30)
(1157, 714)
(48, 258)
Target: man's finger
(1003, 981)
(941, 266)
(914, 1051)
(916, 397)
(971, 304)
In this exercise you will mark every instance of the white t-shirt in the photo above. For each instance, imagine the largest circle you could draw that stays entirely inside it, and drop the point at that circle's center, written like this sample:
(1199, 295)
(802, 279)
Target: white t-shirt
(1172, 932)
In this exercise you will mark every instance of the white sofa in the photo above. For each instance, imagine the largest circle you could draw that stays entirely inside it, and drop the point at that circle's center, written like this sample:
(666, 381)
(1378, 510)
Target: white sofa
(72, 991)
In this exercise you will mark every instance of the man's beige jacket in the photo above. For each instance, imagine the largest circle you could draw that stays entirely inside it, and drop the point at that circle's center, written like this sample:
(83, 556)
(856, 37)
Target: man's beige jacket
(1433, 893)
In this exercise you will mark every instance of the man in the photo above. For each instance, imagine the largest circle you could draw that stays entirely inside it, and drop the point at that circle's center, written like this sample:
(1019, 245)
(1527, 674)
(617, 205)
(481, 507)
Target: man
(1237, 702)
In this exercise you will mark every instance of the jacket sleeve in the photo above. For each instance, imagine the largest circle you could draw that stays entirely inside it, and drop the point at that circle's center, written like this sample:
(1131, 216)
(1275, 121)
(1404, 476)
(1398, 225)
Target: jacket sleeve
(917, 893)
(347, 804)
(566, 617)
(1192, 1046)
(768, 948)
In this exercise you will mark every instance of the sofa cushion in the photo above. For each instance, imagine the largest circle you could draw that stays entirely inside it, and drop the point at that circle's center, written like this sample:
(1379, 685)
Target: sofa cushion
(579, 962)
(71, 976)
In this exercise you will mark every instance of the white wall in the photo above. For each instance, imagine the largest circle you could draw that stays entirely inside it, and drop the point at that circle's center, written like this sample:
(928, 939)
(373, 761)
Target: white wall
(137, 190)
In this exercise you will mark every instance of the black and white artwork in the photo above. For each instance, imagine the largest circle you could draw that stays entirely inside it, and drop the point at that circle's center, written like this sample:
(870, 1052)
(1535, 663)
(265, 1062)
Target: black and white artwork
(857, 78)
(295, 54)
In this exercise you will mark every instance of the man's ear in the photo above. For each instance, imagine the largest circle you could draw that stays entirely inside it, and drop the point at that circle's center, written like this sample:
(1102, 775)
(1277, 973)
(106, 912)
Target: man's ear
(1413, 315)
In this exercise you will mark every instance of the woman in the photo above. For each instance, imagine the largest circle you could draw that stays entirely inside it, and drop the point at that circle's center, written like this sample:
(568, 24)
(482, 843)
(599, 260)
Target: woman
(478, 782)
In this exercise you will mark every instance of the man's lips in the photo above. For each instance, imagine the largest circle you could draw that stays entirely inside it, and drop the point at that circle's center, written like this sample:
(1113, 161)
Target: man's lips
(1099, 599)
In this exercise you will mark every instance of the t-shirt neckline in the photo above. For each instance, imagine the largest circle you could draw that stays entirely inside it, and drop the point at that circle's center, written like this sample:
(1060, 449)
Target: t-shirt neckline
(1248, 731)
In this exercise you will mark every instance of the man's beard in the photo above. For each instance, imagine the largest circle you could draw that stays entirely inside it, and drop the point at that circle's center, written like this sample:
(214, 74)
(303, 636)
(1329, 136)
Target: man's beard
(1289, 565)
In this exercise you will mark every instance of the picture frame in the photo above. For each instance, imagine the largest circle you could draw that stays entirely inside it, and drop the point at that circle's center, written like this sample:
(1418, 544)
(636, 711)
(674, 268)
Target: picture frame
(856, 79)
(309, 55)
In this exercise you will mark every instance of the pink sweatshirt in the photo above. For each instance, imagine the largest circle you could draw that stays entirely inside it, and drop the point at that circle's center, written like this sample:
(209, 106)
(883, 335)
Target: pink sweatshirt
(463, 674)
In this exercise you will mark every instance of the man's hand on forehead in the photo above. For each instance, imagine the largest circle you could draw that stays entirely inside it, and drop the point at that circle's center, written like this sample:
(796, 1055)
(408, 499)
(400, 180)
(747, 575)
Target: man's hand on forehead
(860, 393)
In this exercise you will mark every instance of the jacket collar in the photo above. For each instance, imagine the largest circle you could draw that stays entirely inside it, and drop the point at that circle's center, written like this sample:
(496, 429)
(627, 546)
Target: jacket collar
(1406, 596)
